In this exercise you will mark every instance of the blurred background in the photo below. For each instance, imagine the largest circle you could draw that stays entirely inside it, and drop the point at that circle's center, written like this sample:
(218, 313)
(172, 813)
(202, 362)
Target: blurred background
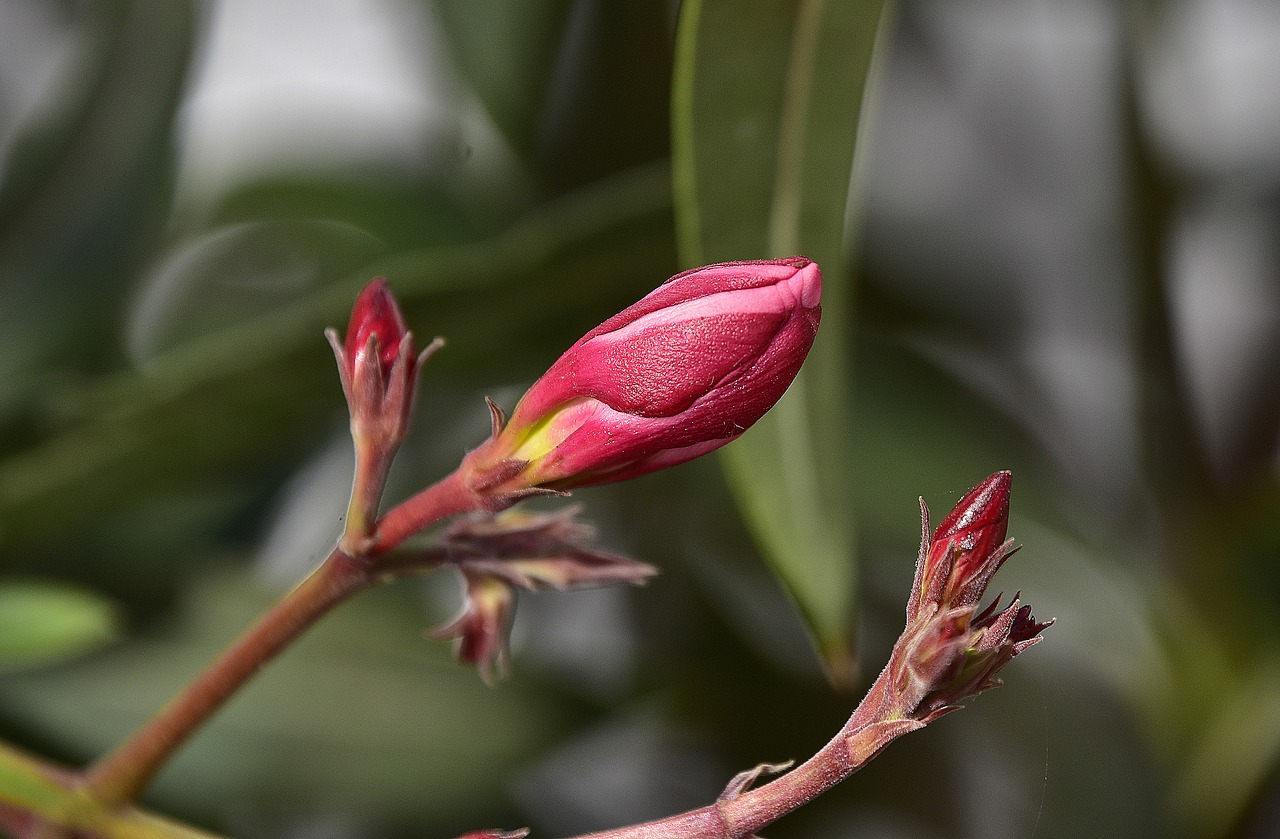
(1050, 232)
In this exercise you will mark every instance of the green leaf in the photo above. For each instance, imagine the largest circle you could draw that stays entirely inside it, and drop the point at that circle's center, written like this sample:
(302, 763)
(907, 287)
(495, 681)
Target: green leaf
(45, 622)
(578, 90)
(765, 108)
(238, 394)
(507, 51)
(232, 273)
(403, 210)
(86, 189)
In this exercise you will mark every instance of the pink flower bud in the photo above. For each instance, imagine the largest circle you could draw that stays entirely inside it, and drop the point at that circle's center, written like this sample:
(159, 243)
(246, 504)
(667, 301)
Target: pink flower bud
(680, 373)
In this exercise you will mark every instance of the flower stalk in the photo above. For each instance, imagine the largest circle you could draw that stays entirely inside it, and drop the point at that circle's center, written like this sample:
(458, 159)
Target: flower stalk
(949, 652)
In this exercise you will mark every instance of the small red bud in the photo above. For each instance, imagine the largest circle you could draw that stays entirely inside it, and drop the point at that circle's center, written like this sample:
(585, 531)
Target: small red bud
(951, 651)
(376, 314)
(966, 549)
(378, 365)
(979, 521)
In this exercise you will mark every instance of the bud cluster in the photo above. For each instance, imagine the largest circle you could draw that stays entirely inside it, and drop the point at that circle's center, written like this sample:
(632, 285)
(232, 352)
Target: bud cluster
(950, 650)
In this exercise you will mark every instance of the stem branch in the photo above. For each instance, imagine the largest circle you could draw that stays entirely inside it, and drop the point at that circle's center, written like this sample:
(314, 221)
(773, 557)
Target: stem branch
(447, 497)
(39, 799)
(121, 775)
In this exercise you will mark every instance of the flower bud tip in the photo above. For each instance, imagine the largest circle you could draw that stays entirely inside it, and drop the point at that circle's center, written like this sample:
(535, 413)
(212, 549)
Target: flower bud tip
(984, 506)
(377, 317)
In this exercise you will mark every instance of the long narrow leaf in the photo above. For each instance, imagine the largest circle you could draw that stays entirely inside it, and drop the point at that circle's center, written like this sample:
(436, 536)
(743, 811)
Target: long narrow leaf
(766, 107)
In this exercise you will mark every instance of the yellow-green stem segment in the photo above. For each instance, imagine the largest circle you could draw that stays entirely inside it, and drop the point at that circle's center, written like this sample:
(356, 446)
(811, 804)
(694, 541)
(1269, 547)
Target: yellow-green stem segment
(51, 795)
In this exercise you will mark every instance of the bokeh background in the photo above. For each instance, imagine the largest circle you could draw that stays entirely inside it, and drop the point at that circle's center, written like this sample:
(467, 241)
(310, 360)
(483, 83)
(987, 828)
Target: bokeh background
(1051, 237)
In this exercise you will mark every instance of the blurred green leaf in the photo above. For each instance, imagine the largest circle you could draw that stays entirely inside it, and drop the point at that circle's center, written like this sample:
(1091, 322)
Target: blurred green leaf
(922, 433)
(765, 116)
(1239, 739)
(240, 395)
(43, 622)
(404, 211)
(579, 90)
(234, 273)
(87, 190)
(507, 51)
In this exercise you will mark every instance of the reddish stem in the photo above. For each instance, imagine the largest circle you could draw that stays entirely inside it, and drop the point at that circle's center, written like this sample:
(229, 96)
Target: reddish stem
(121, 775)
(372, 466)
(447, 497)
(743, 816)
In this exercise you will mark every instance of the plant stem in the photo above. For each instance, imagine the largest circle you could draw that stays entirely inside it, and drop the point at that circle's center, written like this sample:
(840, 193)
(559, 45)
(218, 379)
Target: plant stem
(121, 775)
(741, 816)
(372, 467)
(447, 497)
(38, 798)
(29, 788)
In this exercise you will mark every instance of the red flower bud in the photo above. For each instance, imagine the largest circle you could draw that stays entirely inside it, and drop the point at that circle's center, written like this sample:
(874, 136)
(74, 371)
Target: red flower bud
(967, 548)
(978, 522)
(680, 373)
(376, 316)
(378, 364)
(951, 651)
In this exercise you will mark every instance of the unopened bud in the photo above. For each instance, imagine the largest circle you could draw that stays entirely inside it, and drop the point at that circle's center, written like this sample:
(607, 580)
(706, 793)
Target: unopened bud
(966, 549)
(378, 364)
(951, 651)
(680, 373)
